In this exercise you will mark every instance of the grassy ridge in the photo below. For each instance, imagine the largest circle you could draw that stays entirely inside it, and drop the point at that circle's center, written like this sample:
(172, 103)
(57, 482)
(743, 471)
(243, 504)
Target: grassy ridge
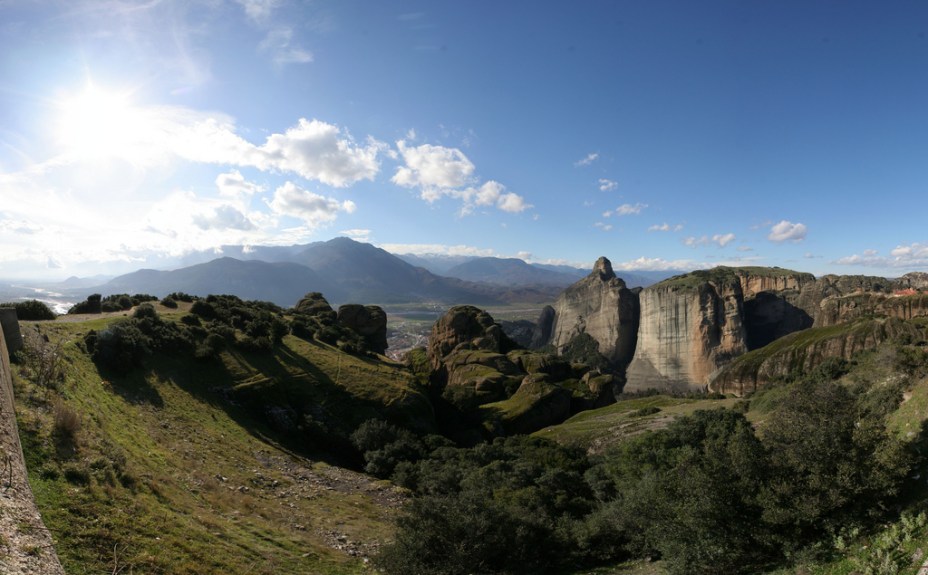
(167, 470)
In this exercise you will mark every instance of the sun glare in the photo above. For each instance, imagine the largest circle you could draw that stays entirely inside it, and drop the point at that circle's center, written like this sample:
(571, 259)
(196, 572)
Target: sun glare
(96, 123)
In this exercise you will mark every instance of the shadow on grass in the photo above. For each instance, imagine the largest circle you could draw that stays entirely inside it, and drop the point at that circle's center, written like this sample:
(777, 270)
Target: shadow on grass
(281, 398)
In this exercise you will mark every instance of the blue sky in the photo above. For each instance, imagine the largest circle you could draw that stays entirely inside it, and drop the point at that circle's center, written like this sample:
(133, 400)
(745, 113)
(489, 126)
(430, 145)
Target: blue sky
(660, 134)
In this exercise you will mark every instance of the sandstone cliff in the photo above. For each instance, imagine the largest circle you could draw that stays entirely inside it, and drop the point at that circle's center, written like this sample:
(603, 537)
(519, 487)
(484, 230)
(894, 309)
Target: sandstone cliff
(689, 327)
(601, 306)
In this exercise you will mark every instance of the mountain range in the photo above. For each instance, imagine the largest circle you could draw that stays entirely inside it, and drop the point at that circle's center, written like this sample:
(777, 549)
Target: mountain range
(346, 271)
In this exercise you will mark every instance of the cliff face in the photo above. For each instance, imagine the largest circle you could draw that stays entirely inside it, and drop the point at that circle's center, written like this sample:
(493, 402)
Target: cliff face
(601, 306)
(688, 329)
(806, 350)
(690, 326)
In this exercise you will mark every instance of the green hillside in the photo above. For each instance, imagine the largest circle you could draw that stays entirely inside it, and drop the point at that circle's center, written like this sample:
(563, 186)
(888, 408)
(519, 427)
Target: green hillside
(185, 466)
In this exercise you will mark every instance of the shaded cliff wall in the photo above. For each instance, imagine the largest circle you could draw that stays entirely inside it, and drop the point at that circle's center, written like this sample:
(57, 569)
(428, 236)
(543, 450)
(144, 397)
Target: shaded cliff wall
(806, 350)
(601, 306)
(27, 544)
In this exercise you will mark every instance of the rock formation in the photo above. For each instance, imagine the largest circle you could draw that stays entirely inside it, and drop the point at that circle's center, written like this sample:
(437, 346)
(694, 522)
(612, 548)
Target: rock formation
(601, 306)
(690, 326)
(370, 322)
(806, 350)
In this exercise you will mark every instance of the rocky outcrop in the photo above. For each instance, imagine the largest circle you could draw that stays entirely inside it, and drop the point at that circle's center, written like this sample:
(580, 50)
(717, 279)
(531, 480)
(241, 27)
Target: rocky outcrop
(803, 351)
(601, 306)
(690, 326)
(465, 327)
(370, 322)
(913, 280)
(27, 546)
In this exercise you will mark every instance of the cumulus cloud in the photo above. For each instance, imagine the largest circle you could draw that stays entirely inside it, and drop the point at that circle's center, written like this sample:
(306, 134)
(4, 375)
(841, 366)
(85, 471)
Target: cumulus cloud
(320, 151)
(589, 159)
(602, 226)
(439, 172)
(607, 185)
(721, 240)
(430, 166)
(787, 231)
(630, 209)
(910, 256)
(223, 218)
(314, 209)
(665, 227)
(233, 185)
(656, 264)
(313, 149)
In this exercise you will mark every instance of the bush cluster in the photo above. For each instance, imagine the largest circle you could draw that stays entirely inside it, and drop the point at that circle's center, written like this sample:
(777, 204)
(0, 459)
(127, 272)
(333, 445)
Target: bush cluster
(31, 310)
(707, 494)
(95, 303)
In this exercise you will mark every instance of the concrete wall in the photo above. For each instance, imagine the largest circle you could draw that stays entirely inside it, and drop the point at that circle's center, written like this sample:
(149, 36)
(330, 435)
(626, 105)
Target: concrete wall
(27, 548)
(10, 324)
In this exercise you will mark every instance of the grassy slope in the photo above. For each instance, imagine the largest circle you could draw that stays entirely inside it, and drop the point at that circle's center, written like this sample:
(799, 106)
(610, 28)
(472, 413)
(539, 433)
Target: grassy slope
(598, 429)
(166, 476)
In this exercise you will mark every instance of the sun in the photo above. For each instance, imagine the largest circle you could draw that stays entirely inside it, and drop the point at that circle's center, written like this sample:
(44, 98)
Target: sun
(97, 123)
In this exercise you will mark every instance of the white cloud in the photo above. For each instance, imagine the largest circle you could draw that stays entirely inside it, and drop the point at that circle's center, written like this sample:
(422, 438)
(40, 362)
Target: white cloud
(233, 185)
(437, 249)
(589, 159)
(358, 235)
(313, 209)
(147, 137)
(721, 240)
(630, 209)
(602, 226)
(907, 257)
(665, 227)
(14, 226)
(657, 264)
(439, 172)
(512, 203)
(745, 249)
(279, 42)
(223, 218)
(523, 255)
(320, 151)
(606, 185)
(787, 231)
(258, 10)
(430, 166)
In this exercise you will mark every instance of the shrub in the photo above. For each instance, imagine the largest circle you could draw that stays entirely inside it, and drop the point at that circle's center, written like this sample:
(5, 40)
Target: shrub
(90, 305)
(42, 360)
(67, 422)
(121, 346)
(32, 310)
(169, 303)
